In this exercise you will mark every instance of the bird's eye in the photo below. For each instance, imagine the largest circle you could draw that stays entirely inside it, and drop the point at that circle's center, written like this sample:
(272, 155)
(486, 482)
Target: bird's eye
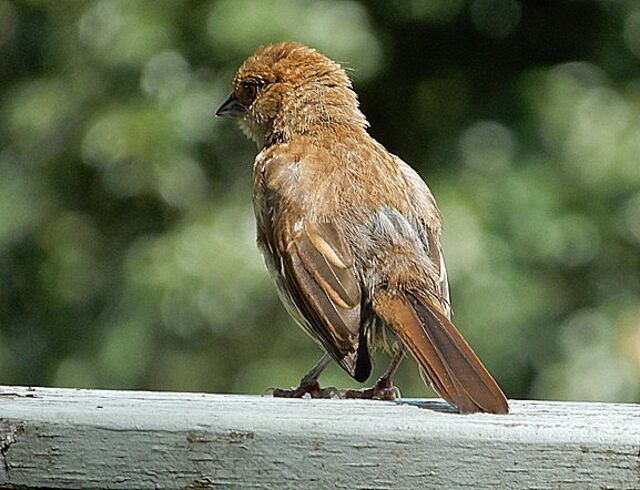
(250, 89)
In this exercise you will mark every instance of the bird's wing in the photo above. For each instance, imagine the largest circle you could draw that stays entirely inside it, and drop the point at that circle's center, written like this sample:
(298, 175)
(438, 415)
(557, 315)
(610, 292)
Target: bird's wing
(308, 256)
(320, 280)
(427, 215)
(442, 282)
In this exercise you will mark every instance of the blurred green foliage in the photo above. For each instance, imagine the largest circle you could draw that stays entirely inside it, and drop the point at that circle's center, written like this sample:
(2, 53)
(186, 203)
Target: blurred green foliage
(127, 256)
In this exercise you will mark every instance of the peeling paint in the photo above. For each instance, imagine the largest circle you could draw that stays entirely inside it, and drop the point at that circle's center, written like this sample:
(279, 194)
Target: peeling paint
(195, 441)
(11, 434)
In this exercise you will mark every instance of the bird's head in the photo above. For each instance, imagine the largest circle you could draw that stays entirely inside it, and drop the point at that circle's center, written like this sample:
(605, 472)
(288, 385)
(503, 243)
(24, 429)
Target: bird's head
(286, 89)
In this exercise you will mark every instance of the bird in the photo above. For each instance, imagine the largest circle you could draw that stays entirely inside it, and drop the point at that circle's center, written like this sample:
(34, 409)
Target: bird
(350, 233)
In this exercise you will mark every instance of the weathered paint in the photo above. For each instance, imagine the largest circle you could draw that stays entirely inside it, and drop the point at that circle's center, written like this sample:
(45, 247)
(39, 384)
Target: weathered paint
(66, 438)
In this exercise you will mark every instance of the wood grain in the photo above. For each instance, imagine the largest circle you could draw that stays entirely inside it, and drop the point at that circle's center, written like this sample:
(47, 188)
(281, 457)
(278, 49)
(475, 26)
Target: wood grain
(67, 438)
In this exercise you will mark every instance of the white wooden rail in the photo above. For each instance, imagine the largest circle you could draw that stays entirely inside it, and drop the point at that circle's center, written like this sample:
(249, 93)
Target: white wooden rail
(65, 438)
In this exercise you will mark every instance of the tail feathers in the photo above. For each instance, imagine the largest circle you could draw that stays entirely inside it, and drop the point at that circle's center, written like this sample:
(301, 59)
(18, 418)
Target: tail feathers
(451, 367)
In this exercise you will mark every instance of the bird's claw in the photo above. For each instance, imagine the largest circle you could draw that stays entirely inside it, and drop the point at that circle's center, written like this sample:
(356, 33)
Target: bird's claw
(312, 389)
(382, 390)
(269, 391)
(328, 392)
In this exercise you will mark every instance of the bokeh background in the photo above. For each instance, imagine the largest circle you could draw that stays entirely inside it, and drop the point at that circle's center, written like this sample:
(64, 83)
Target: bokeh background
(127, 255)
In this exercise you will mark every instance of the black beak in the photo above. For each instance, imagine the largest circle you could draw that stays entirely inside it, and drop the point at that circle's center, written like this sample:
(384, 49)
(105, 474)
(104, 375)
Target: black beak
(231, 107)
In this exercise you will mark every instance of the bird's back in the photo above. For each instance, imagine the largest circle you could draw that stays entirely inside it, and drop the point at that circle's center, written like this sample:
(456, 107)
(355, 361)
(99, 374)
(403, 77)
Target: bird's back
(381, 207)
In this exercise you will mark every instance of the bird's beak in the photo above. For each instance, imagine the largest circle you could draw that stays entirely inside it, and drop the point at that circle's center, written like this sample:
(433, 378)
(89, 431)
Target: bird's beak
(231, 107)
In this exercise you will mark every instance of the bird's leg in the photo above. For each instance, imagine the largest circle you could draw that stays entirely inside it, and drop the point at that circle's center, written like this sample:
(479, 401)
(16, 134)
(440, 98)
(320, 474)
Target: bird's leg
(383, 389)
(308, 384)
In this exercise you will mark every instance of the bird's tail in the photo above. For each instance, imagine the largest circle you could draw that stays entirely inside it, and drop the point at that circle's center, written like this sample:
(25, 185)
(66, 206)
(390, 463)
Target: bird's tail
(451, 367)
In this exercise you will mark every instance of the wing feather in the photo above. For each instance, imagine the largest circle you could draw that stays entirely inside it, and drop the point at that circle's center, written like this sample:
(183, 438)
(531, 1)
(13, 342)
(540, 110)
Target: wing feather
(322, 285)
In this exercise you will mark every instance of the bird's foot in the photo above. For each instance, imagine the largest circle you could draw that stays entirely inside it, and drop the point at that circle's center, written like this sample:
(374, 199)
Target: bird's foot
(306, 387)
(382, 390)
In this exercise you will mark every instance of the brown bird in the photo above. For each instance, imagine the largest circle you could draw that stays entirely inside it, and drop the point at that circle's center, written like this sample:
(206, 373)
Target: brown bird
(350, 233)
